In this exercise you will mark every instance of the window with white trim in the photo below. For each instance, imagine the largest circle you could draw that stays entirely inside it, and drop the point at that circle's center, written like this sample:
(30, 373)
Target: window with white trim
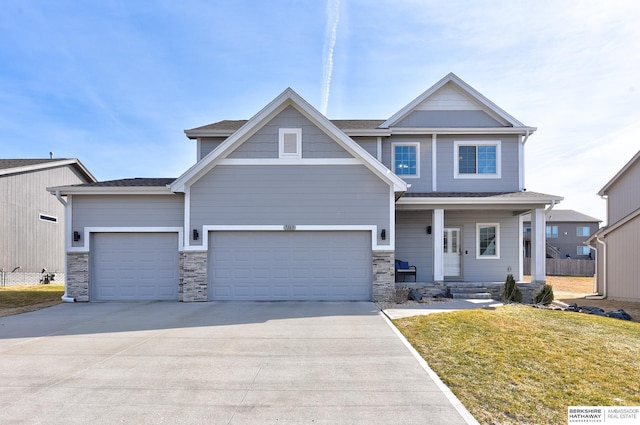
(477, 159)
(552, 232)
(290, 143)
(406, 159)
(487, 240)
(583, 250)
(583, 231)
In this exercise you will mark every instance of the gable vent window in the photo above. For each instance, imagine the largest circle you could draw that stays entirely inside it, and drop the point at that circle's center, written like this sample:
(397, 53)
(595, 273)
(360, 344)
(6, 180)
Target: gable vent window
(49, 218)
(290, 141)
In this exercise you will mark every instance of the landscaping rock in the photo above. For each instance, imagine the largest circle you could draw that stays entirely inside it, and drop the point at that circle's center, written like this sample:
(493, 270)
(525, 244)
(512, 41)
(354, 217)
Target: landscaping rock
(415, 295)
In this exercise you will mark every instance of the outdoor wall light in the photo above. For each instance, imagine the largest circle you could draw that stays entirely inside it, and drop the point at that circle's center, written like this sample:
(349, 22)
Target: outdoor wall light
(76, 236)
(195, 234)
(428, 230)
(383, 234)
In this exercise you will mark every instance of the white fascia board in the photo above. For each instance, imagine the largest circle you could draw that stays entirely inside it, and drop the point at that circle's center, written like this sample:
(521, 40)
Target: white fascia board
(462, 130)
(372, 132)
(112, 190)
(478, 201)
(51, 164)
(451, 77)
(194, 134)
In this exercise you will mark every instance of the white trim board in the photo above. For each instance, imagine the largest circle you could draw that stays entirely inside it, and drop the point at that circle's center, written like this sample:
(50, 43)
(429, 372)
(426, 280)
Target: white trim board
(298, 228)
(89, 230)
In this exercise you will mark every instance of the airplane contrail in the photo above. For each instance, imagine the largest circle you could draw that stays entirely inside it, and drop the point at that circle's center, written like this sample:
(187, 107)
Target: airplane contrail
(330, 35)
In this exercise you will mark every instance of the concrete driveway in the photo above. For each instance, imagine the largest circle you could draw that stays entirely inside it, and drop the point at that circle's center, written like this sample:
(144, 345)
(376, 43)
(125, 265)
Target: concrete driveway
(214, 363)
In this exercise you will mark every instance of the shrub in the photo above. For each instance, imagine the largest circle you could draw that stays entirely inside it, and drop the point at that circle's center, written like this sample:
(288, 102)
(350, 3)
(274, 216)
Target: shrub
(545, 296)
(511, 293)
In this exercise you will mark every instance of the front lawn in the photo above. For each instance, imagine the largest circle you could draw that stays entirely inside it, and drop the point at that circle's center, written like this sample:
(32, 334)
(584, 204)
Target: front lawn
(520, 365)
(20, 299)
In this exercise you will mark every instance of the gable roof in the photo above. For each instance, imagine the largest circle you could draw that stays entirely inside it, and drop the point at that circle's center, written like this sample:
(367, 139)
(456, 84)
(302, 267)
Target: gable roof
(628, 165)
(556, 215)
(469, 91)
(287, 98)
(16, 166)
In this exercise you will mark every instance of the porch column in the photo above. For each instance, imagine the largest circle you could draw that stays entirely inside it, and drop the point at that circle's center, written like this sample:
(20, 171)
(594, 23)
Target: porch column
(438, 245)
(538, 246)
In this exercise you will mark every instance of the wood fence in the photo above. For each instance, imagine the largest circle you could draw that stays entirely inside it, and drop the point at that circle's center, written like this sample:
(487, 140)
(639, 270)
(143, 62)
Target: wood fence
(565, 267)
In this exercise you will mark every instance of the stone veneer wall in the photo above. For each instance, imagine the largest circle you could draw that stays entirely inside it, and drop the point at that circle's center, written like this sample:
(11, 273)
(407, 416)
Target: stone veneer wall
(78, 276)
(193, 276)
(383, 275)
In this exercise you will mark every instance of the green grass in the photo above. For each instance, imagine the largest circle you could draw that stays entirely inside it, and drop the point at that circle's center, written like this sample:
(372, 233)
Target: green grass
(520, 365)
(19, 299)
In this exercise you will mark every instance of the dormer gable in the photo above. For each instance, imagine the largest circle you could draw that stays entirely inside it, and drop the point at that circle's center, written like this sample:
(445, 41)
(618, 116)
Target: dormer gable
(289, 120)
(452, 103)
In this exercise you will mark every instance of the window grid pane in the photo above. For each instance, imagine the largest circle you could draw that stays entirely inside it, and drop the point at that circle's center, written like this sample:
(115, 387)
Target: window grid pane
(405, 160)
(487, 240)
(467, 160)
(486, 159)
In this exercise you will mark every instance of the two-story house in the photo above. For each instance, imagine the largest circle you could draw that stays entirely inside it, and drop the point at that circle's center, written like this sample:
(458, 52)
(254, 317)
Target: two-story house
(618, 243)
(289, 205)
(566, 232)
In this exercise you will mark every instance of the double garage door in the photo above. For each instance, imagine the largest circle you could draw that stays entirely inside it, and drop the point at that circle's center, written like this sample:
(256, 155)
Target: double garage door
(290, 266)
(242, 266)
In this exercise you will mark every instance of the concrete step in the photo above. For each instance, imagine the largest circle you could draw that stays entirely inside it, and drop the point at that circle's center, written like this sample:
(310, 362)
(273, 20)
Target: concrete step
(471, 295)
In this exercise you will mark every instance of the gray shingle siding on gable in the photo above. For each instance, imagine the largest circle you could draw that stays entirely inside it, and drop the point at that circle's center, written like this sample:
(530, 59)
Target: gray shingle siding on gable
(448, 119)
(291, 194)
(208, 144)
(264, 143)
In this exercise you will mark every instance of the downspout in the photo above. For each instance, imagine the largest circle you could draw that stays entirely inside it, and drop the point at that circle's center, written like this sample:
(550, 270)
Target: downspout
(65, 298)
(604, 270)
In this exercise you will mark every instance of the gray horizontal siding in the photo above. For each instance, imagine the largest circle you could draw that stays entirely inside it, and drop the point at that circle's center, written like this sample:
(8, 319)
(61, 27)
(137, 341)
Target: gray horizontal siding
(208, 144)
(315, 142)
(413, 244)
(25, 240)
(448, 119)
(292, 194)
(127, 211)
(510, 251)
(370, 144)
(624, 195)
(623, 267)
(445, 167)
(424, 183)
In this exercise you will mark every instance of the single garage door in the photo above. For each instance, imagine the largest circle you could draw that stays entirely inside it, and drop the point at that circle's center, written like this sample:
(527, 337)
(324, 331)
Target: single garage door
(295, 265)
(134, 266)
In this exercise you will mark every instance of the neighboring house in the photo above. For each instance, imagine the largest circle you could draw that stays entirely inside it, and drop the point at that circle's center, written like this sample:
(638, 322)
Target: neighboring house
(566, 232)
(289, 205)
(32, 224)
(618, 243)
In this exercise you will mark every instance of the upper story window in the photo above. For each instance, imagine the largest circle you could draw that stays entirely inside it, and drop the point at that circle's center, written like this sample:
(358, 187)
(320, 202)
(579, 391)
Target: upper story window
(583, 250)
(583, 231)
(406, 159)
(290, 143)
(552, 232)
(487, 240)
(477, 159)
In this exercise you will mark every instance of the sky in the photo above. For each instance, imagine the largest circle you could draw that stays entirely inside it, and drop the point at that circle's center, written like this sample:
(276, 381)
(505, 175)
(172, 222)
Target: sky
(115, 83)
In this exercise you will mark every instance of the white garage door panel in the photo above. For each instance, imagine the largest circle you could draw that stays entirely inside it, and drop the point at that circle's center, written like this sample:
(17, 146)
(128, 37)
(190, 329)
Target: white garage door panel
(290, 266)
(134, 266)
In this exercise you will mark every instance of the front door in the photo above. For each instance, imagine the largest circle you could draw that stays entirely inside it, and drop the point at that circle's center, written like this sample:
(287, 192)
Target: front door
(452, 251)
